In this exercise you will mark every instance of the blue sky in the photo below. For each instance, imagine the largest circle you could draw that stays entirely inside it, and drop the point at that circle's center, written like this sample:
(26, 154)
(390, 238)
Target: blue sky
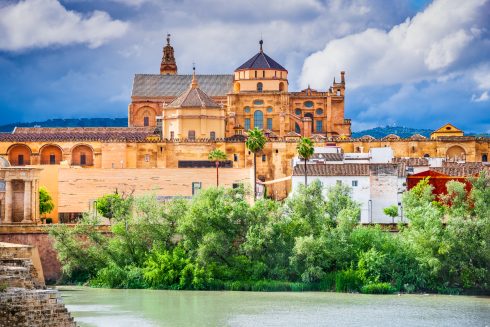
(412, 63)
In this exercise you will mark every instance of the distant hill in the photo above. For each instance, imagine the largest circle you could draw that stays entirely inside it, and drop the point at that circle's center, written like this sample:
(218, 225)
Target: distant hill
(403, 132)
(78, 122)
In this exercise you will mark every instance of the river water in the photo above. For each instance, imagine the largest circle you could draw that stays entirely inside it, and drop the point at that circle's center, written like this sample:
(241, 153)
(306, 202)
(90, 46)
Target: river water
(145, 308)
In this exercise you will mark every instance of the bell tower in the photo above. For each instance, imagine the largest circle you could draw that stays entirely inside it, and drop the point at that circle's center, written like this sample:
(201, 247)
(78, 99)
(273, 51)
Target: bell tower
(168, 65)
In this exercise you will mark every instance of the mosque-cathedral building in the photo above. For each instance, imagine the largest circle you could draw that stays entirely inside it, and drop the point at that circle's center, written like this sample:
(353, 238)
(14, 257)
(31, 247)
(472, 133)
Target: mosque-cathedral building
(174, 121)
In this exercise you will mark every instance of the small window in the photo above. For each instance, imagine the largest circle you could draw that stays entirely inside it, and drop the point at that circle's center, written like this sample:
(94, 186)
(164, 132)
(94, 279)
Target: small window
(484, 157)
(339, 182)
(354, 183)
(247, 124)
(426, 155)
(308, 104)
(172, 135)
(246, 109)
(277, 151)
(264, 158)
(196, 187)
(319, 111)
(269, 123)
(83, 159)
(52, 159)
(146, 121)
(20, 159)
(235, 157)
(212, 135)
(191, 135)
(297, 111)
(258, 102)
(319, 126)
(147, 158)
(269, 109)
(259, 87)
(255, 74)
(258, 119)
(263, 73)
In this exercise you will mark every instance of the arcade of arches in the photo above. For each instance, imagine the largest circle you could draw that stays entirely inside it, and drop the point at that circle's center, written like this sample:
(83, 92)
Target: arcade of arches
(50, 154)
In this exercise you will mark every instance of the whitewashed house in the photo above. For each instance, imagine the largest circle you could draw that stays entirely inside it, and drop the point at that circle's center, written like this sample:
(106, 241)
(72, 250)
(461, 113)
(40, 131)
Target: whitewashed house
(374, 186)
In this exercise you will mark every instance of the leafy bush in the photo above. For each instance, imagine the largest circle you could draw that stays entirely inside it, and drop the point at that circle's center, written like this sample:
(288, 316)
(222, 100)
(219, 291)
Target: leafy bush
(378, 288)
(348, 281)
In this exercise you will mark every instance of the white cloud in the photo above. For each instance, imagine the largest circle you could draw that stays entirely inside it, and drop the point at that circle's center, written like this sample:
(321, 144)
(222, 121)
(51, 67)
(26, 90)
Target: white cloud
(42, 23)
(424, 47)
(483, 97)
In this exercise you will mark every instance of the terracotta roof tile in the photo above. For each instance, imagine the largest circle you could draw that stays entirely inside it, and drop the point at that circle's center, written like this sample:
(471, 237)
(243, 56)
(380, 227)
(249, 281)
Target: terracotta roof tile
(32, 134)
(151, 85)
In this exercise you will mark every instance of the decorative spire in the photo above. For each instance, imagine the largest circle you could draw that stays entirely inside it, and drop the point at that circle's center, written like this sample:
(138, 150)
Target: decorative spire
(168, 66)
(194, 83)
(261, 42)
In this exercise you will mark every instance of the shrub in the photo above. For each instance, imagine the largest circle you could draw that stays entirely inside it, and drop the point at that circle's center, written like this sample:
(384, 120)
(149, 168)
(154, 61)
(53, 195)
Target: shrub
(347, 281)
(378, 288)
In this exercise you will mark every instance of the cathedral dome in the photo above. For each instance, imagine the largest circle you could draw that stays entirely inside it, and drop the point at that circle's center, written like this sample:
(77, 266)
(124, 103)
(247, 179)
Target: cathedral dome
(261, 61)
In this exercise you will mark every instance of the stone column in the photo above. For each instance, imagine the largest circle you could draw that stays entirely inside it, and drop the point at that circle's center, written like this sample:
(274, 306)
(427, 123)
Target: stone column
(27, 201)
(8, 201)
(34, 201)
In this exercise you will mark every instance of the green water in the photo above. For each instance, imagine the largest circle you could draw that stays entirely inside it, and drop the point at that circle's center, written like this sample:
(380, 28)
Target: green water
(142, 308)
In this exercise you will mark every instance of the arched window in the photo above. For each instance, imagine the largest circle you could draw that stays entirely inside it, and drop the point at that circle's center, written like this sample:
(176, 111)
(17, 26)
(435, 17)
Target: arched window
(297, 111)
(146, 121)
(259, 87)
(297, 129)
(258, 119)
(484, 157)
(426, 155)
(212, 135)
(311, 116)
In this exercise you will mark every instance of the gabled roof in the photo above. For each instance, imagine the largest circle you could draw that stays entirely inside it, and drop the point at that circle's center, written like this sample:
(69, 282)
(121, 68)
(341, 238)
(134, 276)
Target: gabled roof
(193, 97)
(261, 61)
(448, 128)
(150, 85)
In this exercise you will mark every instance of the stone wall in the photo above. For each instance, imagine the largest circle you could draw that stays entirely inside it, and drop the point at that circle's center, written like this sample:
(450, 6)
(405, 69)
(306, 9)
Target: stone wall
(35, 236)
(24, 301)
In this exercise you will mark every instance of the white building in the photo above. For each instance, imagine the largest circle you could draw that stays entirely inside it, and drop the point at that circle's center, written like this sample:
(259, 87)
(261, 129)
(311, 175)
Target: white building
(374, 186)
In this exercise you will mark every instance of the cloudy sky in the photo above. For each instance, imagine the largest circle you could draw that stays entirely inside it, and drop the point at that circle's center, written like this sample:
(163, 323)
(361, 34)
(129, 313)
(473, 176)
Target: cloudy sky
(415, 63)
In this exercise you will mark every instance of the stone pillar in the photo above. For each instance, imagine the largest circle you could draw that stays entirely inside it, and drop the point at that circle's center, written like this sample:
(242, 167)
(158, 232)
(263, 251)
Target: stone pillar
(27, 201)
(8, 201)
(282, 123)
(34, 201)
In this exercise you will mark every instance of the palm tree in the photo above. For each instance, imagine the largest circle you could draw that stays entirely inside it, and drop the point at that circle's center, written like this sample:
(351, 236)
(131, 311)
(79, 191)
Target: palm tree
(305, 151)
(217, 155)
(255, 143)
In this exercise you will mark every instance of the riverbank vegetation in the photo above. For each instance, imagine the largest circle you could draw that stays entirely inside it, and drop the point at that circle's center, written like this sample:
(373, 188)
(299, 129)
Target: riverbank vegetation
(311, 241)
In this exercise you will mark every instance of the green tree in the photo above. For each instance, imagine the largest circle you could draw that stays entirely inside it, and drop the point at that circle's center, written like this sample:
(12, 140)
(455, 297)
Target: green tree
(108, 205)
(391, 211)
(217, 156)
(46, 204)
(255, 143)
(305, 151)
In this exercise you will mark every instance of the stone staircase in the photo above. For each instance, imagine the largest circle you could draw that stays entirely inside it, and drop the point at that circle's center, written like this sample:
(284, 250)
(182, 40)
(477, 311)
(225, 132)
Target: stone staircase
(24, 300)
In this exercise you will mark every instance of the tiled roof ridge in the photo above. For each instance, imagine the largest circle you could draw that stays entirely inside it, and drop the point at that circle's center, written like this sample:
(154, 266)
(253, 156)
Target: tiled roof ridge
(197, 75)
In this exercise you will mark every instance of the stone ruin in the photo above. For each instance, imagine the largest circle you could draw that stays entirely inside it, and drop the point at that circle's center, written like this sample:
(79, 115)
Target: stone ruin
(24, 299)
